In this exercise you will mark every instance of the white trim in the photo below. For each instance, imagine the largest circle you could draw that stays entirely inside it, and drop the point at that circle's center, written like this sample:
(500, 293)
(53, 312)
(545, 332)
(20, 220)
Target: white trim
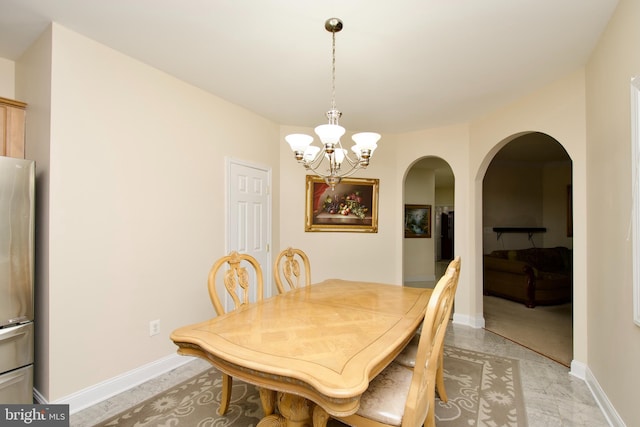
(635, 196)
(464, 319)
(609, 412)
(111, 387)
(578, 369)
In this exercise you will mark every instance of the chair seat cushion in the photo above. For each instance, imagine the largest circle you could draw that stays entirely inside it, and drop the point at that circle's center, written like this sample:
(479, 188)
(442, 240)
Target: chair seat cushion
(408, 355)
(385, 399)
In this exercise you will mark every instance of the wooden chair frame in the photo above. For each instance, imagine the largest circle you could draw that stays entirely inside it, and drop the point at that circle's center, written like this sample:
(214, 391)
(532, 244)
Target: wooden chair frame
(407, 357)
(237, 284)
(287, 266)
(419, 405)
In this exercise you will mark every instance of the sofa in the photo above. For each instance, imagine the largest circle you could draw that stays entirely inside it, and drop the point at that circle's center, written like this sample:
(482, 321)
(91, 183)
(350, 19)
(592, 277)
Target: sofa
(533, 276)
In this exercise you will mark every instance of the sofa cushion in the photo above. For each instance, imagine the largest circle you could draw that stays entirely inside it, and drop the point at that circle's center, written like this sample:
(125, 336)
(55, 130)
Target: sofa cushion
(545, 259)
(536, 276)
(556, 259)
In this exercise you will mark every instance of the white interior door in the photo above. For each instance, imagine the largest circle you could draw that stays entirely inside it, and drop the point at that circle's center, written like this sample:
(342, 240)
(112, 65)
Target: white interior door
(249, 216)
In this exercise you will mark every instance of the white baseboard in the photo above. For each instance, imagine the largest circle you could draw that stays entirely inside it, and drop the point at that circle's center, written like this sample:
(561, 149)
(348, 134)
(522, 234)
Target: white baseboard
(578, 370)
(463, 319)
(109, 388)
(607, 408)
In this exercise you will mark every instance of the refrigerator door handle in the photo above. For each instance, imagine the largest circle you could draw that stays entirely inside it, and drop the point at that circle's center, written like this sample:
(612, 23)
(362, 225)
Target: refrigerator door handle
(10, 333)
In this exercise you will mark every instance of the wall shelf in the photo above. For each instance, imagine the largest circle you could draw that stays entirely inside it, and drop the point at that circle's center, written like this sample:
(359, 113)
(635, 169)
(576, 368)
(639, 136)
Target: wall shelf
(528, 230)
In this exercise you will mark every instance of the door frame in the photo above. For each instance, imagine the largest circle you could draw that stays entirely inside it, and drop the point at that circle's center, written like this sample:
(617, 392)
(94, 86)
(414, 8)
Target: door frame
(266, 269)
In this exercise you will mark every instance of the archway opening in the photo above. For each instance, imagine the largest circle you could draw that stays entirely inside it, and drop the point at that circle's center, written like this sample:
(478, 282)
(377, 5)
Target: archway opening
(527, 245)
(428, 242)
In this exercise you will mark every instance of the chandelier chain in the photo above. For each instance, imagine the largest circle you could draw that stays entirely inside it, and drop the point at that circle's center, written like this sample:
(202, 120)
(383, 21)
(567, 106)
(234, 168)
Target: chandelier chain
(333, 71)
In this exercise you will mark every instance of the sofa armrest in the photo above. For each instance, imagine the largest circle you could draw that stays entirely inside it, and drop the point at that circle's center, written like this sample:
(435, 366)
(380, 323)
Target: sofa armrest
(502, 267)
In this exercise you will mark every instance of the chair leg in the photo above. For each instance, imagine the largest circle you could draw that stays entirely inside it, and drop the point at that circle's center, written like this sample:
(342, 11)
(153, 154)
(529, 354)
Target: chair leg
(227, 382)
(431, 419)
(442, 393)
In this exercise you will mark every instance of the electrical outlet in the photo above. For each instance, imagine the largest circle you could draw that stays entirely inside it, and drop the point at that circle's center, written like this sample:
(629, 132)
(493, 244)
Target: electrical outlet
(154, 327)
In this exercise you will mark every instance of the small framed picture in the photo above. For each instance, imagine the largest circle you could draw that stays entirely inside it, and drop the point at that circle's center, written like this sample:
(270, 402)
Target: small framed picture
(417, 221)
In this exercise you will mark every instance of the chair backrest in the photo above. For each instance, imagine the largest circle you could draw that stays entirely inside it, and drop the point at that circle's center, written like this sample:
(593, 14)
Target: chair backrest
(287, 266)
(422, 389)
(454, 264)
(236, 280)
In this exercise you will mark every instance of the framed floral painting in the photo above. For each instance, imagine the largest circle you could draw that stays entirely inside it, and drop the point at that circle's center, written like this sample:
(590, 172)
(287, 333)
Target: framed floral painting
(351, 206)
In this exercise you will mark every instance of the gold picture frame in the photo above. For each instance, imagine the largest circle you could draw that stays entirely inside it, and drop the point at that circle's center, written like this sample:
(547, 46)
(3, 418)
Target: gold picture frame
(352, 206)
(417, 221)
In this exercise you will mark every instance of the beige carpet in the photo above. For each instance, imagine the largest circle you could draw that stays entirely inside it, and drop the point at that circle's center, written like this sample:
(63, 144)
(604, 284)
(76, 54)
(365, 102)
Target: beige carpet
(547, 330)
(483, 390)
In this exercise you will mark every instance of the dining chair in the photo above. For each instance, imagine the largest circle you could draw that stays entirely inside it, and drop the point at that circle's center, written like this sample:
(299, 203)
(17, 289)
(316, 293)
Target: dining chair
(403, 397)
(287, 266)
(237, 283)
(408, 356)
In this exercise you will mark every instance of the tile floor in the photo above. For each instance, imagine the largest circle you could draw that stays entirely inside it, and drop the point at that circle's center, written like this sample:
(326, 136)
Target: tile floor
(553, 397)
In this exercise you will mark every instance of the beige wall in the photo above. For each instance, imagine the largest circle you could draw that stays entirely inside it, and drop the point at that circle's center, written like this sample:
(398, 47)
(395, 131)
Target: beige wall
(512, 197)
(33, 82)
(614, 340)
(534, 195)
(419, 259)
(445, 196)
(556, 177)
(7, 77)
(136, 166)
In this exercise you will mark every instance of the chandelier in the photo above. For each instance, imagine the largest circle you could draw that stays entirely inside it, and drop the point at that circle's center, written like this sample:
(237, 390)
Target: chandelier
(331, 161)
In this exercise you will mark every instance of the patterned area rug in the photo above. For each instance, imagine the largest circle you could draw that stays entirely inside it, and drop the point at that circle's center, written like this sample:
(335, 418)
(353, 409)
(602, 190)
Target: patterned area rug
(483, 390)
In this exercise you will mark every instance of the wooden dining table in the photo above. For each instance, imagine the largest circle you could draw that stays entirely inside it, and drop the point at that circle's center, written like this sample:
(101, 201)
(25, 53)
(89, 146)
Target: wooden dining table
(311, 351)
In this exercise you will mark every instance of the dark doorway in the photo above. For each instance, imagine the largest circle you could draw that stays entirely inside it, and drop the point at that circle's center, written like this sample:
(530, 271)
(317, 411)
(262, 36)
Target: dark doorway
(446, 235)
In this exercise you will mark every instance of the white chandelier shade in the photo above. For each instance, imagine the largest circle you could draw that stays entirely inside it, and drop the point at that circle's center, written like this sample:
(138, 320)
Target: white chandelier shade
(332, 151)
(332, 155)
(329, 134)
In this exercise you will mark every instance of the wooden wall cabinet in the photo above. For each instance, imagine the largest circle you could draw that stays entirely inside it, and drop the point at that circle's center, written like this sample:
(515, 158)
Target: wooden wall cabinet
(12, 127)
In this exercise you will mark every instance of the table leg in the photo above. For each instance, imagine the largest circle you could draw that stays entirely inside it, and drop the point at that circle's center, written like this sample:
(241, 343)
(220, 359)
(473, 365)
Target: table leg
(268, 400)
(320, 417)
(294, 411)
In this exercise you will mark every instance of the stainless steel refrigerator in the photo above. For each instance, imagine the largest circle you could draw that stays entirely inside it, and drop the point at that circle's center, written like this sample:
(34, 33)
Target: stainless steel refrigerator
(17, 210)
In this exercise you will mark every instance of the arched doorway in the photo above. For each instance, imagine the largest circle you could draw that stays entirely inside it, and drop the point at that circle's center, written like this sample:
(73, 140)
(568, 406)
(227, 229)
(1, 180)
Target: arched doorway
(429, 182)
(527, 216)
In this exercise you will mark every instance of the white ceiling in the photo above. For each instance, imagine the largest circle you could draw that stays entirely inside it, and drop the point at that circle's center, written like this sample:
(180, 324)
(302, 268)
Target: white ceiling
(401, 65)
